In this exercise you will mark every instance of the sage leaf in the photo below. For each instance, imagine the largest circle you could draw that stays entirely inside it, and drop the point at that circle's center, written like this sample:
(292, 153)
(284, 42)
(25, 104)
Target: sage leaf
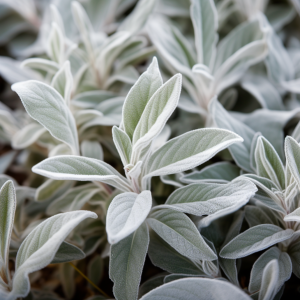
(284, 264)
(40, 246)
(80, 168)
(181, 234)
(189, 150)
(139, 95)
(45, 105)
(255, 239)
(126, 263)
(66, 253)
(212, 199)
(205, 21)
(268, 163)
(269, 281)
(123, 144)
(7, 215)
(197, 288)
(126, 213)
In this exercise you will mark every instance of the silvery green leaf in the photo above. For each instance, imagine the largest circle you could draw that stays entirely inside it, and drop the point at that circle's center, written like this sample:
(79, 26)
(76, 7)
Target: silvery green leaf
(123, 144)
(212, 199)
(271, 124)
(278, 62)
(156, 113)
(284, 264)
(291, 86)
(84, 26)
(80, 168)
(139, 95)
(135, 56)
(63, 81)
(45, 105)
(255, 239)
(269, 189)
(110, 50)
(293, 216)
(241, 151)
(67, 252)
(181, 234)
(4, 178)
(170, 8)
(244, 46)
(41, 64)
(252, 150)
(126, 213)
(73, 199)
(294, 253)
(51, 189)
(189, 150)
(292, 151)
(269, 283)
(268, 163)
(220, 172)
(205, 21)
(173, 179)
(241, 36)
(40, 246)
(137, 19)
(201, 288)
(8, 125)
(7, 214)
(56, 44)
(126, 263)
(111, 107)
(254, 216)
(12, 72)
(92, 149)
(167, 258)
(6, 160)
(61, 149)
(27, 135)
(174, 48)
(91, 99)
(265, 93)
(128, 75)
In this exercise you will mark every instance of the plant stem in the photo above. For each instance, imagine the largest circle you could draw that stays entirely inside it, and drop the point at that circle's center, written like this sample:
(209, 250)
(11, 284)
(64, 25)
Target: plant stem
(88, 280)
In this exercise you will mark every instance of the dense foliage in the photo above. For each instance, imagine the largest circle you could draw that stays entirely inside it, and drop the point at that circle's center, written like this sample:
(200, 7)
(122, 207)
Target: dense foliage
(149, 149)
